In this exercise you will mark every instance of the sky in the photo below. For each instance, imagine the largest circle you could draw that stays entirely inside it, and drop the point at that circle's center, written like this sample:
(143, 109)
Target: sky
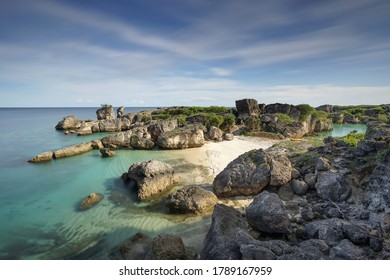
(83, 53)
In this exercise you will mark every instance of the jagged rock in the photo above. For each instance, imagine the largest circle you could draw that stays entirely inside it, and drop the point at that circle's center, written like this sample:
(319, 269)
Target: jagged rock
(367, 146)
(191, 199)
(68, 123)
(85, 129)
(228, 136)
(351, 119)
(91, 200)
(215, 133)
(278, 108)
(377, 194)
(267, 214)
(107, 152)
(247, 108)
(310, 180)
(73, 150)
(45, 156)
(168, 247)
(190, 136)
(356, 234)
(220, 242)
(130, 117)
(141, 143)
(152, 178)
(322, 126)
(158, 128)
(119, 112)
(113, 125)
(299, 187)
(325, 108)
(295, 174)
(323, 164)
(346, 250)
(249, 173)
(312, 249)
(105, 113)
(329, 230)
(333, 186)
(121, 139)
(377, 131)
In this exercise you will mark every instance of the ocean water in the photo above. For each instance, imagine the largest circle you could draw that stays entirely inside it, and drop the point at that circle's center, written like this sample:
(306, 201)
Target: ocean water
(39, 213)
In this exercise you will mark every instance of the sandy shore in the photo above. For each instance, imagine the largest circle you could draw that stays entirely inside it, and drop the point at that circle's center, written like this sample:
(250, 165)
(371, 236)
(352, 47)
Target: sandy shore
(215, 156)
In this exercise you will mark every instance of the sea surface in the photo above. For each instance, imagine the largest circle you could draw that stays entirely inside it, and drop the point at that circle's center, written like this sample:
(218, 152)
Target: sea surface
(39, 214)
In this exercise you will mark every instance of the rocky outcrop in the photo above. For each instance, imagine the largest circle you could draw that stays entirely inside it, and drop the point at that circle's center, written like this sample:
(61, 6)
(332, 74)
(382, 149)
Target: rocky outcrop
(141, 143)
(118, 140)
(246, 108)
(112, 125)
(191, 200)
(90, 201)
(85, 129)
(215, 133)
(160, 127)
(325, 108)
(68, 122)
(73, 150)
(152, 178)
(220, 242)
(42, 157)
(251, 172)
(120, 112)
(190, 136)
(267, 214)
(377, 131)
(105, 113)
(333, 186)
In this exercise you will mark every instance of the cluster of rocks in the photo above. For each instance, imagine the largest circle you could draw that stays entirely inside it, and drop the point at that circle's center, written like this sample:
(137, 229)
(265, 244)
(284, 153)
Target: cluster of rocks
(270, 121)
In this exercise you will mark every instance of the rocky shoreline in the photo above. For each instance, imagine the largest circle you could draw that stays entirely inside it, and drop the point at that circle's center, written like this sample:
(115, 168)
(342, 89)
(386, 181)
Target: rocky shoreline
(319, 202)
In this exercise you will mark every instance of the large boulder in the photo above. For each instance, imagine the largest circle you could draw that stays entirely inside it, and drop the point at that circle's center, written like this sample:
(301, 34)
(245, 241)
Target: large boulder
(215, 133)
(120, 140)
(249, 173)
(267, 214)
(190, 136)
(105, 113)
(68, 122)
(377, 131)
(220, 242)
(325, 108)
(333, 186)
(161, 126)
(141, 143)
(152, 178)
(246, 108)
(191, 199)
(105, 152)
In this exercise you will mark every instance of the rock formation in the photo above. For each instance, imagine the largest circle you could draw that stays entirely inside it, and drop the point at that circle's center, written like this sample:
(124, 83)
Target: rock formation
(105, 113)
(190, 136)
(68, 122)
(152, 178)
(90, 201)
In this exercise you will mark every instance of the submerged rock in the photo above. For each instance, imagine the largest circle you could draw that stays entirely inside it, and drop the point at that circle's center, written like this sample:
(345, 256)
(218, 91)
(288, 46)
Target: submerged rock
(152, 178)
(90, 200)
(168, 247)
(45, 156)
(191, 199)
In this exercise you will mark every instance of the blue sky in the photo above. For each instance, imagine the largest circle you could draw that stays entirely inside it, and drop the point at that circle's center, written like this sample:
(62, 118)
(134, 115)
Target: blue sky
(195, 52)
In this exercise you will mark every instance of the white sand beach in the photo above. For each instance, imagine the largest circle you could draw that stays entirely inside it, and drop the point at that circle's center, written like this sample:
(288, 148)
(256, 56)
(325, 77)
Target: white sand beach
(215, 156)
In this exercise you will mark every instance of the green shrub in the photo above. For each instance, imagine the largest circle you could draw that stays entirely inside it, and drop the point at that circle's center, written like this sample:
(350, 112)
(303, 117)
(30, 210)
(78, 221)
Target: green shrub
(352, 138)
(306, 110)
(181, 120)
(320, 115)
(284, 118)
(229, 120)
(162, 116)
(383, 118)
(212, 119)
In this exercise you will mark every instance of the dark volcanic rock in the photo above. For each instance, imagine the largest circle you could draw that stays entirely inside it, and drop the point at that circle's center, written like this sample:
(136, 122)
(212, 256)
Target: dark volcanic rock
(137, 247)
(377, 131)
(68, 122)
(220, 242)
(191, 199)
(251, 172)
(247, 108)
(267, 214)
(325, 108)
(299, 187)
(333, 186)
(346, 250)
(168, 247)
(152, 177)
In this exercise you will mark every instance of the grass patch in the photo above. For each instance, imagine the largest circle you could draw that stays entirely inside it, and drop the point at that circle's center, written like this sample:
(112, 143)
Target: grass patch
(284, 118)
(352, 138)
(306, 110)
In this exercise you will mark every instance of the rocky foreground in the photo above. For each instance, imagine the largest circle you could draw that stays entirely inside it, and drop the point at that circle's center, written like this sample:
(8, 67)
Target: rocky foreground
(329, 201)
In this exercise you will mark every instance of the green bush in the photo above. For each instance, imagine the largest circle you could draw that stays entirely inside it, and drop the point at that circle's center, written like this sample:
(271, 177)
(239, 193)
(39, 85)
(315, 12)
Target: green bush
(320, 115)
(229, 120)
(284, 118)
(181, 120)
(212, 119)
(253, 123)
(383, 118)
(352, 138)
(306, 110)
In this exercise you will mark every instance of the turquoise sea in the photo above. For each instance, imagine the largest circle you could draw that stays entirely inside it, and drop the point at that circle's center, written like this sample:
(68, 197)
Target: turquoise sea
(39, 214)
(38, 211)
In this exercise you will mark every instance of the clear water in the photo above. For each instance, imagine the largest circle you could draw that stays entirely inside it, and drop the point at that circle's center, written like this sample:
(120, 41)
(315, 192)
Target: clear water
(38, 202)
(342, 130)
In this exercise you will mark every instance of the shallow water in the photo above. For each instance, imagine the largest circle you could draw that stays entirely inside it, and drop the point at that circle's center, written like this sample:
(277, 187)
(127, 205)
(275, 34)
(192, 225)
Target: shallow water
(38, 209)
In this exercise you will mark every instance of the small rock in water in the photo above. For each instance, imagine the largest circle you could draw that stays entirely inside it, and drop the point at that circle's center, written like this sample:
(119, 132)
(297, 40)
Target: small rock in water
(90, 200)
(107, 152)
